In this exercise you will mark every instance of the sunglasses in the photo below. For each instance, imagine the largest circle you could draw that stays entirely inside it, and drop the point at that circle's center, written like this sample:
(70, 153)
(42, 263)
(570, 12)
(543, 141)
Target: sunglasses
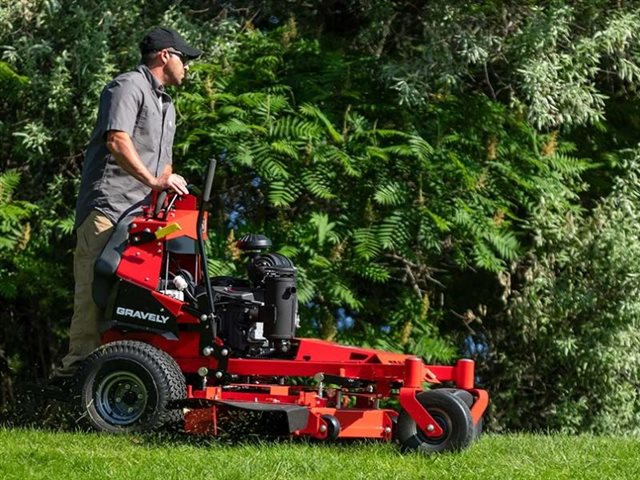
(183, 58)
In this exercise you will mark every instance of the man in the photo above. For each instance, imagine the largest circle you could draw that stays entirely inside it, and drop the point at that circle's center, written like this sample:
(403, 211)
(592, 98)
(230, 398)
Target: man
(128, 156)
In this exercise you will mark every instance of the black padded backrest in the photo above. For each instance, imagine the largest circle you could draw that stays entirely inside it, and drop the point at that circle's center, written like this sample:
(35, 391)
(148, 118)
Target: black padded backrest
(104, 271)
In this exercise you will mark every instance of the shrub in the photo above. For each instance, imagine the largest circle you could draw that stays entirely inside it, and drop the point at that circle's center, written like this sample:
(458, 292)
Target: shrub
(567, 351)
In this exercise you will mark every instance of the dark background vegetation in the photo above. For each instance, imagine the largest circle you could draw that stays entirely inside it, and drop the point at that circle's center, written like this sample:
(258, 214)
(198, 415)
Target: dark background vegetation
(451, 178)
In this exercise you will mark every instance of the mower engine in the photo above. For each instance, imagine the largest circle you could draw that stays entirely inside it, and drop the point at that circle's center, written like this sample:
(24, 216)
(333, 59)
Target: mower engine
(257, 319)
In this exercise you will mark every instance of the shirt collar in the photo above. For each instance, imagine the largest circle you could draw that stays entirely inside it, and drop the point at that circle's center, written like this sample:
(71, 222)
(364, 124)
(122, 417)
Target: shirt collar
(156, 86)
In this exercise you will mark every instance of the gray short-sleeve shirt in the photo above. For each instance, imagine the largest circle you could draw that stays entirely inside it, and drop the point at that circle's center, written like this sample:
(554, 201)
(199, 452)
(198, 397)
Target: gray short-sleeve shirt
(135, 103)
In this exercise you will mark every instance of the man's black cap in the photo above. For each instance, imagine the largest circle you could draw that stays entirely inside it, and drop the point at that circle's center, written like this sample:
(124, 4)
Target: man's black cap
(162, 37)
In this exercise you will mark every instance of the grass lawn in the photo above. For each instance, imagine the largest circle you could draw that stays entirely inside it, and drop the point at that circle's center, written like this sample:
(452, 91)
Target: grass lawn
(52, 455)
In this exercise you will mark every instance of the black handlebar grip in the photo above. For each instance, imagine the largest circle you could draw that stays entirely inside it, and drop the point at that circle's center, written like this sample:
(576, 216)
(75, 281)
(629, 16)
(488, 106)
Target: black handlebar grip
(210, 171)
(160, 199)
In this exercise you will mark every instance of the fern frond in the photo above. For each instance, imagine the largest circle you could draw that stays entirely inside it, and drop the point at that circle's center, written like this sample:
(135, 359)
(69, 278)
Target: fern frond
(231, 111)
(281, 194)
(420, 148)
(267, 165)
(485, 258)
(268, 61)
(367, 245)
(505, 243)
(401, 150)
(314, 112)
(393, 231)
(568, 165)
(324, 227)
(9, 181)
(442, 224)
(338, 156)
(377, 153)
(392, 193)
(225, 98)
(219, 267)
(508, 171)
(291, 127)
(284, 148)
(234, 127)
(320, 262)
(428, 236)
(307, 288)
(358, 126)
(66, 225)
(10, 237)
(372, 271)
(318, 184)
(343, 294)
(281, 90)
(463, 218)
(244, 156)
(289, 251)
(388, 133)
(432, 349)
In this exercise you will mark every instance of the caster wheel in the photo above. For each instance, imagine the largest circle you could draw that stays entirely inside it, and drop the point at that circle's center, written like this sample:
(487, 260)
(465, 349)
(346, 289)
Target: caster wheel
(452, 415)
(467, 398)
(333, 427)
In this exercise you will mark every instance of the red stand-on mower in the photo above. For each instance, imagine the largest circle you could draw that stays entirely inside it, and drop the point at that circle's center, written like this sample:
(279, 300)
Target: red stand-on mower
(180, 346)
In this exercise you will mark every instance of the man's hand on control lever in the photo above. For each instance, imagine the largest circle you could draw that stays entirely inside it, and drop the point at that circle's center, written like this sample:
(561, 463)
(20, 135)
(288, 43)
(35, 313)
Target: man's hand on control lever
(173, 181)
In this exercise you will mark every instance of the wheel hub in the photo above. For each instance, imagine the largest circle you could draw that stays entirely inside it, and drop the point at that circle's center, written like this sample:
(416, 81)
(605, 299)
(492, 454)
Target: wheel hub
(121, 398)
(444, 423)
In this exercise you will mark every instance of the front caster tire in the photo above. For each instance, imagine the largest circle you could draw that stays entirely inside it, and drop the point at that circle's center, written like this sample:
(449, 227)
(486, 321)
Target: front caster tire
(333, 427)
(452, 415)
(467, 398)
(127, 386)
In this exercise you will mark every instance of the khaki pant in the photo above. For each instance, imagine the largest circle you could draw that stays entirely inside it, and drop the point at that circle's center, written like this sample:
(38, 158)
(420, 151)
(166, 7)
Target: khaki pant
(84, 335)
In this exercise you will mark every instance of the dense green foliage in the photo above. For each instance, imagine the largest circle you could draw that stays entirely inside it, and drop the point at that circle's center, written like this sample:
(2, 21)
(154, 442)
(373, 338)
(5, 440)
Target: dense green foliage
(444, 178)
(44, 455)
(579, 310)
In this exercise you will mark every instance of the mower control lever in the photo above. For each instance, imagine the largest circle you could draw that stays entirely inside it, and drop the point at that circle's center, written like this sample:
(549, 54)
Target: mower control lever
(160, 200)
(209, 182)
(210, 328)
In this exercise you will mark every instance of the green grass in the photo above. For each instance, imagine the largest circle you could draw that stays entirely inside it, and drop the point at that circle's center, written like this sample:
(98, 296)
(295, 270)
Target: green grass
(50, 455)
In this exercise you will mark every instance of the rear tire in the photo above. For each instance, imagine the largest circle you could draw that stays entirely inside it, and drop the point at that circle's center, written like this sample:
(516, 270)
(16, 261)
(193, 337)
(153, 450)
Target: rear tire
(452, 415)
(127, 386)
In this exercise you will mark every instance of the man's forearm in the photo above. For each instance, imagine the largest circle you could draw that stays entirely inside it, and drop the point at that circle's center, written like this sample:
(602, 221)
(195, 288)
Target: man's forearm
(125, 154)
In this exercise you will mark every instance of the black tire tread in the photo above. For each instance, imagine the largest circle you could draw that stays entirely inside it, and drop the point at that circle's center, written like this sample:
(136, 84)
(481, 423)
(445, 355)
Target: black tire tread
(467, 398)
